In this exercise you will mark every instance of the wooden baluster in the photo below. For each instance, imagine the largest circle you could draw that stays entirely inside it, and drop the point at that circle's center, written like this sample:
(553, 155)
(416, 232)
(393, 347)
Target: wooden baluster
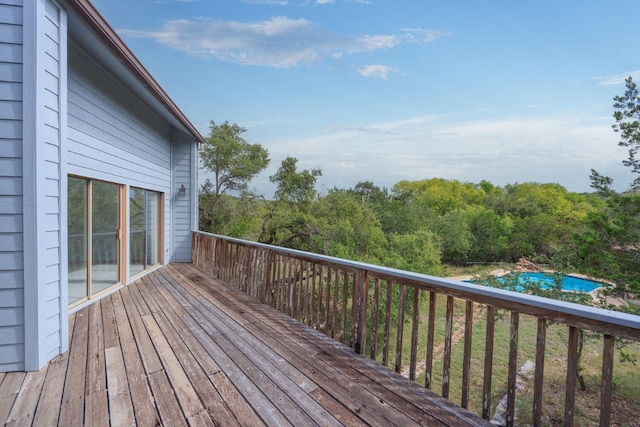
(343, 315)
(387, 325)
(364, 309)
(513, 369)
(414, 334)
(355, 311)
(301, 291)
(328, 325)
(428, 369)
(305, 277)
(572, 372)
(607, 380)
(290, 275)
(400, 331)
(336, 294)
(446, 360)
(268, 285)
(319, 301)
(278, 283)
(538, 380)
(466, 361)
(488, 363)
(374, 320)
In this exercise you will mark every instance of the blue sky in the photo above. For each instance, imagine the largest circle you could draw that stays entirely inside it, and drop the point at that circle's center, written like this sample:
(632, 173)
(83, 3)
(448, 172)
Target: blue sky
(381, 90)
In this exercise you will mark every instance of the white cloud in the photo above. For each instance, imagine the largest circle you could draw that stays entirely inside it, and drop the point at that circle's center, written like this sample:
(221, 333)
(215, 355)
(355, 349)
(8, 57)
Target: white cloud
(278, 42)
(620, 78)
(376, 70)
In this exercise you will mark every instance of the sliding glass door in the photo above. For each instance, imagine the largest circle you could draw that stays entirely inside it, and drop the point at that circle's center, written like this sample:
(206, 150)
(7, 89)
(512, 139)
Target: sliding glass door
(96, 224)
(94, 237)
(145, 231)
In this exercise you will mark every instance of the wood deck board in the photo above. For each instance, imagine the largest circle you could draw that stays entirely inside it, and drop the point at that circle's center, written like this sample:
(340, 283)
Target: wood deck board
(179, 348)
(9, 390)
(248, 368)
(292, 381)
(48, 410)
(202, 369)
(73, 395)
(96, 409)
(24, 407)
(139, 389)
(343, 391)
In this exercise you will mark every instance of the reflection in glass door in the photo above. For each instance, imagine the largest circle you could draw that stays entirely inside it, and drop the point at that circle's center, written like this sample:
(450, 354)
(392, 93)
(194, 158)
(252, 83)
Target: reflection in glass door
(144, 229)
(94, 240)
(105, 235)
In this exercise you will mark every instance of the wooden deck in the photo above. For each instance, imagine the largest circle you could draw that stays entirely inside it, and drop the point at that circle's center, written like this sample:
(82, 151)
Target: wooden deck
(178, 348)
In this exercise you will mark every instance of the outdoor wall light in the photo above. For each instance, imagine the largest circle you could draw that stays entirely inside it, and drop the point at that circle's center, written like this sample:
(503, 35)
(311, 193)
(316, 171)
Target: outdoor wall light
(182, 191)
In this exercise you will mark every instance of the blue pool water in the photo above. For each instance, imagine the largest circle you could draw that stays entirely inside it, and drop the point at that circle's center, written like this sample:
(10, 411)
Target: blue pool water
(569, 283)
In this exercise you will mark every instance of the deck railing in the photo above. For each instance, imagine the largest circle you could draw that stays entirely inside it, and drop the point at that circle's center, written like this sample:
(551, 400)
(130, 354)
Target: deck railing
(380, 311)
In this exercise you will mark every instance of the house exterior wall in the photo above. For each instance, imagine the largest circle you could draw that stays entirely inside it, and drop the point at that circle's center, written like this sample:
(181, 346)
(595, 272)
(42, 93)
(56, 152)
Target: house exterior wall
(61, 114)
(11, 188)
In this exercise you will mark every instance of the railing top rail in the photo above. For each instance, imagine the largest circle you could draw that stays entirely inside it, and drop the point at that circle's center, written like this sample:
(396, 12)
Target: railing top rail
(587, 317)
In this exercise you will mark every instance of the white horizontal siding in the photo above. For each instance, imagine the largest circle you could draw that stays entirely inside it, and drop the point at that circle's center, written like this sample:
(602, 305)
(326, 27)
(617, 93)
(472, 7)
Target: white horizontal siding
(11, 182)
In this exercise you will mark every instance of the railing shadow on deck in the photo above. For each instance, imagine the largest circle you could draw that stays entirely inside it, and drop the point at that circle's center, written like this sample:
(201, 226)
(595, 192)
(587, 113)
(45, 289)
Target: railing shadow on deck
(360, 304)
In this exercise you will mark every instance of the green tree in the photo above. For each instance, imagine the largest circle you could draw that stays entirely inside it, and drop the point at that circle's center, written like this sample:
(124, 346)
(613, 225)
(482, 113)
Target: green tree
(627, 117)
(233, 161)
(609, 246)
(348, 227)
(418, 252)
(293, 186)
(440, 194)
(455, 235)
(491, 234)
(544, 216)
(235, 216)
(290, 221)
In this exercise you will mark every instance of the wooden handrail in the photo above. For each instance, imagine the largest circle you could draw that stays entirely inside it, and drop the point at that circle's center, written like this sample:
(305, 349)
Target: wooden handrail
(354, 302)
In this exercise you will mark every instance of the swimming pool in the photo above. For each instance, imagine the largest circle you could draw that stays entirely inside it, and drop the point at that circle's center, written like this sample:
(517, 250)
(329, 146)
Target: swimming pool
(569, 283)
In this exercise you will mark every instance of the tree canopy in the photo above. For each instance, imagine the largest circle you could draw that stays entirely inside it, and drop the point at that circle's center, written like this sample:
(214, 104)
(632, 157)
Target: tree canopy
(232, 160)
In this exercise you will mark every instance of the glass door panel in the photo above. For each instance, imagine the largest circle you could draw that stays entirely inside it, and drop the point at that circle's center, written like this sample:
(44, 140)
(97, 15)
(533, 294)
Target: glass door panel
(144, 229)
(94, 241)
(152, 211)
(105, 240)
(136, 231)
(77, 239)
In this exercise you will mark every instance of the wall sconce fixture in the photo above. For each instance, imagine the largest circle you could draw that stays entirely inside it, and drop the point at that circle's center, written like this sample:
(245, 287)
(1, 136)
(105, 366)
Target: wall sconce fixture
(182, 191)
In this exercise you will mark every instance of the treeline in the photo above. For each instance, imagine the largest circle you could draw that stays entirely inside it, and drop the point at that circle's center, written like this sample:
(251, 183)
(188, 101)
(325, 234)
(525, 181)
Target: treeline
(416, 225)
